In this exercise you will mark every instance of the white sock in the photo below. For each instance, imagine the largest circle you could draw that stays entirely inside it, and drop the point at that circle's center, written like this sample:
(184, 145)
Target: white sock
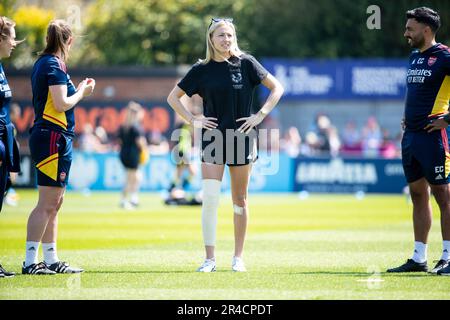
(31, 253)
(445, 250)
(134, 198)
(50, 255)
(420, 252)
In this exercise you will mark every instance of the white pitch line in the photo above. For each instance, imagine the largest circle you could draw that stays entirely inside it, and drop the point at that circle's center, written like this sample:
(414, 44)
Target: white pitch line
(370, 280)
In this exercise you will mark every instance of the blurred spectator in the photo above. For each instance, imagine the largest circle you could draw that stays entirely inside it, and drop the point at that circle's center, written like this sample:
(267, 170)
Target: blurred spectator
(351, 139)
(291, 142)
(324, 139)
(323, 124)
(334, 141)
(310, 147)
(271, 140)
(90, 142)
(102, 136)
(398, 143)
(372, 138)
(388, 148)
(158, 143)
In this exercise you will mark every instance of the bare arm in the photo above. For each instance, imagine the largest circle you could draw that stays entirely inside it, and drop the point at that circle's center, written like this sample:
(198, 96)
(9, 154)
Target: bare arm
(276, 91)
(142, 143)
(62, 102)
(174, 100)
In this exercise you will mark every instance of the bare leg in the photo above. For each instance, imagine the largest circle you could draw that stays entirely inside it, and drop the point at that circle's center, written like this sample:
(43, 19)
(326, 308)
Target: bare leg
(240, 176)
(422, 214)
(50, 200)
(51, 231)
(129, 183)
(135, 185)
(442, 195)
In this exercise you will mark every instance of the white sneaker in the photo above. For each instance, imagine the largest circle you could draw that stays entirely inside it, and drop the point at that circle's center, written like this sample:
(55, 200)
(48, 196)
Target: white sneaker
(12, 198)
(126, 205)
(238, 265)
(208, 266)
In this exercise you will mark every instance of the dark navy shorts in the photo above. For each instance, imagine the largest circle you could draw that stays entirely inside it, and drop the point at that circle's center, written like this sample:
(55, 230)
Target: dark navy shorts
(4, 174)
(51, 152)
(426, 155)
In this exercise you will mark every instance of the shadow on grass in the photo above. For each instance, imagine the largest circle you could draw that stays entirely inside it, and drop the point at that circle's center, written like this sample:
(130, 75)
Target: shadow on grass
(344, 273)
(149, 272)
(362, 274)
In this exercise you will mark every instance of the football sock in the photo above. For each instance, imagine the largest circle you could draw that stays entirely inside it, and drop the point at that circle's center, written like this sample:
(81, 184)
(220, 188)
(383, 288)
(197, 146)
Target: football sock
(134, 198)
(445, 250)
(50, 255)
(420, 252)
(31, 253)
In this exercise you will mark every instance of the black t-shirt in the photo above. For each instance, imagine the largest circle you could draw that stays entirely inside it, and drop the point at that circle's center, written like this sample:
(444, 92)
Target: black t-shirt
(226, 88)
(128, 137)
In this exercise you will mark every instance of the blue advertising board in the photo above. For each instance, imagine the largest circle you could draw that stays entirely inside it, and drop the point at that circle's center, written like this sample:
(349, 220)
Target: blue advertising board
(339, 79)
(92, 171)
(271, 173)
(349, 175)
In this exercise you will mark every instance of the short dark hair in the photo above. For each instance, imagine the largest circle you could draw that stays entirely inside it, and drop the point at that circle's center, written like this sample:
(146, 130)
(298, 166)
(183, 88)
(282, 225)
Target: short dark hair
(426, 16)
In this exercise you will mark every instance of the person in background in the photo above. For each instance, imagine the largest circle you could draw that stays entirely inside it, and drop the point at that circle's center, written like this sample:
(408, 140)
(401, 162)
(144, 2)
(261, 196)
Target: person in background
(372, 138)
(133, 152)
(291, 142)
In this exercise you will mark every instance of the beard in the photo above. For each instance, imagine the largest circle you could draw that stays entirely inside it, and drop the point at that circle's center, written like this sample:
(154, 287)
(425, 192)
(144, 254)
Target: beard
(416, 42)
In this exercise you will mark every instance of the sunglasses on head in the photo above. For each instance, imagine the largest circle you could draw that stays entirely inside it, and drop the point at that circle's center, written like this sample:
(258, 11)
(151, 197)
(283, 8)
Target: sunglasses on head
(216, 20)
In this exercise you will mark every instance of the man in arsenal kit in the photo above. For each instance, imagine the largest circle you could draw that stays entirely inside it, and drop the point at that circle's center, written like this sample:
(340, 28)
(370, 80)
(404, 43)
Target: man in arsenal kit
(425, 147)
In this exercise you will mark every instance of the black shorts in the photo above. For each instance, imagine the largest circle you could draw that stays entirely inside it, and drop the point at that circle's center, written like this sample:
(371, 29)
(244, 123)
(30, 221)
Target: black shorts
(51, 152)
(130, 160)
(229, 147)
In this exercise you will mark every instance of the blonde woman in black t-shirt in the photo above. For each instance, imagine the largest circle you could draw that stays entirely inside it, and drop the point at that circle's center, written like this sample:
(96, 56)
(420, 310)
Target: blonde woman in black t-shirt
(226, 80)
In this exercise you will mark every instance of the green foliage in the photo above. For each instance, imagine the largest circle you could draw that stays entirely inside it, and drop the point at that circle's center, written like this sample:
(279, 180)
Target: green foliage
(31, 25)
(6, 7)
(151, 32)
(171, 32)
(332, 29)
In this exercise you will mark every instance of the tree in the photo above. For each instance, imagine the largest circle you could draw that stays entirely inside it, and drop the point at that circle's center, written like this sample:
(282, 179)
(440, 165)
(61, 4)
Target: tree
(172, 32)
(151, 32)
(31, 25)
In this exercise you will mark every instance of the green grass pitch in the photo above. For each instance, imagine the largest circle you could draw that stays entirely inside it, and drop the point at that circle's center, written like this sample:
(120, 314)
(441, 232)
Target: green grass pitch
(324, 247)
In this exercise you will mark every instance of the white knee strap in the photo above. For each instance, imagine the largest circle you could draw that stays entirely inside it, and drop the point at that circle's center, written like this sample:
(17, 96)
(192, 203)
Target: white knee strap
(238, 210)
(211, 195)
